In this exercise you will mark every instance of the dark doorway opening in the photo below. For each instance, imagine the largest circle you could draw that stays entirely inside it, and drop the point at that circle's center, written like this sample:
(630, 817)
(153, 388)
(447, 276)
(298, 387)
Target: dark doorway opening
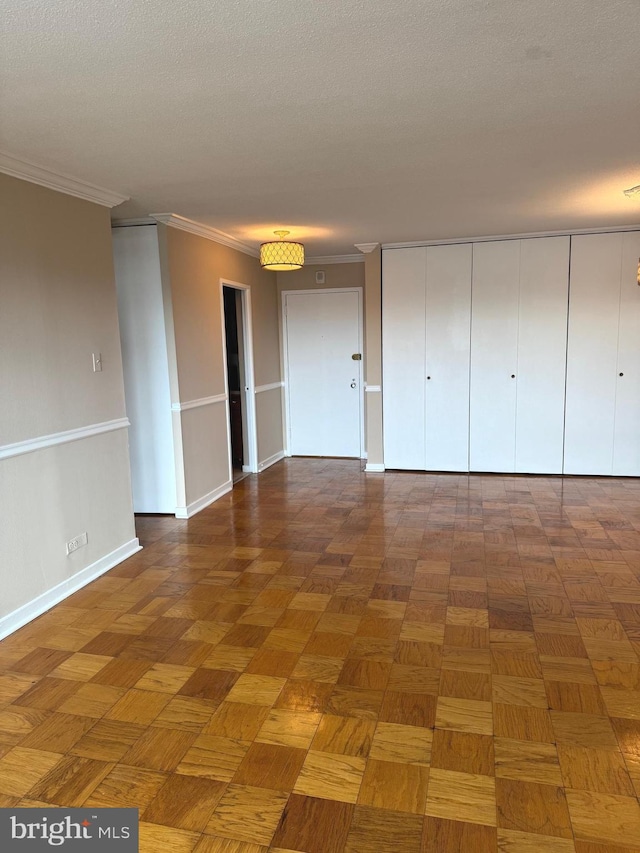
(235, 378)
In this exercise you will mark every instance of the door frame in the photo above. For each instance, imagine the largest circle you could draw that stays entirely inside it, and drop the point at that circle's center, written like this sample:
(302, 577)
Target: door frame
(285, 357)
(251, 463)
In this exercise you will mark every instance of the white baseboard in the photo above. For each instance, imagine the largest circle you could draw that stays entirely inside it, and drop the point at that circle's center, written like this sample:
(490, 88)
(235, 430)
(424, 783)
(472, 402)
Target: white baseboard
(374, 468)
(204, 501)
(271, 460)
(246, 469)
(17, 618)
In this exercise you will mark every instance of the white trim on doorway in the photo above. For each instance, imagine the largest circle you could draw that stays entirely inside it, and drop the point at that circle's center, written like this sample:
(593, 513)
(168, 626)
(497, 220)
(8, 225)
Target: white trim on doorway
(250, 387)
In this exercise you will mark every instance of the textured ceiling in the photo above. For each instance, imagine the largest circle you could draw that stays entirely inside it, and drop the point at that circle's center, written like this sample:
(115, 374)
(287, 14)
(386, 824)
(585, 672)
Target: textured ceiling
(346, 121)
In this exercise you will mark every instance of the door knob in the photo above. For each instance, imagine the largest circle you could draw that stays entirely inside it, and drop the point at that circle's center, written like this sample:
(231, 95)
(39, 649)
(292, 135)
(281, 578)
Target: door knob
(353, 384)
(513, 376)
(428, 377)
(621, 374)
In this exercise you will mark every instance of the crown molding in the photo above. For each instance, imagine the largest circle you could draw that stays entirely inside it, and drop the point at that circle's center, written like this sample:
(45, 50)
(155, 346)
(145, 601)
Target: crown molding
(28, 171)
(184, 224)
(126, 223)
(567, 232)
(366, 247)
(334, 259)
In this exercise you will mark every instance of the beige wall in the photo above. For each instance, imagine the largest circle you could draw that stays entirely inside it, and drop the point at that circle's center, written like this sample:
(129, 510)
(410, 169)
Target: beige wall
(336, 275)
(196, 266)
(205, 451)
(192, 269)
(269, 410)
(57, 307)
(373, 357)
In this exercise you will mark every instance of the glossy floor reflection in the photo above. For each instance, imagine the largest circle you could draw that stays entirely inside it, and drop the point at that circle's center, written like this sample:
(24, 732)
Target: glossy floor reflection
(328, 661)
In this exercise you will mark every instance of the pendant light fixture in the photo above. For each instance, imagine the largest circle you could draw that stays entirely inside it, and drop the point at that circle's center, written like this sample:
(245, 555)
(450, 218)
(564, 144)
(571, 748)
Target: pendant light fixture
(281, 254)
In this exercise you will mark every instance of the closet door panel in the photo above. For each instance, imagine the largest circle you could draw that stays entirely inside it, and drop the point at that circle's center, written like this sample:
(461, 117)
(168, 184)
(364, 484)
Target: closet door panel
(626, 442)
(592, 353)
(542, 350)
(403, 357)
(448, 323)
(494, 350)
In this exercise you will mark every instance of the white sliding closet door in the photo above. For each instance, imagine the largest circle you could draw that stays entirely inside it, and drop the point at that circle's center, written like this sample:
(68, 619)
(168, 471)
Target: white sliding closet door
(494, 356)
(403, 357)
(426, 309)
(542, 354)
(448, 323)
(518, 355)
(602, 433)
(592, 357)
(626, 438)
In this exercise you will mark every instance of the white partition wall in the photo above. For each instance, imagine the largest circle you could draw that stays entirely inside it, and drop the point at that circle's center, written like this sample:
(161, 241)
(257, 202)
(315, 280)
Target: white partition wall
(426, 316)
(603, 407)
(146, 369)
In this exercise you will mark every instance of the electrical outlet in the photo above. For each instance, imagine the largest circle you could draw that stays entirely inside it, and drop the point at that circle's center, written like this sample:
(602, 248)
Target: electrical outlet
(97, 362)
(77, 542)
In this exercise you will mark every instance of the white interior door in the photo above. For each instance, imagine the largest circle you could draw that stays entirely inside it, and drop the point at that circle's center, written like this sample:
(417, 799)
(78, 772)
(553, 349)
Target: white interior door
(403, 357)
(626, 437)
(448, 324)
(542, 354)
(323, 330)
(494, 356)
(592, 354)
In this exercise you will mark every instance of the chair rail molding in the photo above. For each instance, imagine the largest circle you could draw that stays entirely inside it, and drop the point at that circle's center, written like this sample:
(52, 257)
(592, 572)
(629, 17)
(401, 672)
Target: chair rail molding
(270, 387)
(196, 404)
(41, 442)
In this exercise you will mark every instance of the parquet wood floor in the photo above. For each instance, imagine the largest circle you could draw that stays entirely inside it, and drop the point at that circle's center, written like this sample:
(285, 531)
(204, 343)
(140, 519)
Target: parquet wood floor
(331, 662)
